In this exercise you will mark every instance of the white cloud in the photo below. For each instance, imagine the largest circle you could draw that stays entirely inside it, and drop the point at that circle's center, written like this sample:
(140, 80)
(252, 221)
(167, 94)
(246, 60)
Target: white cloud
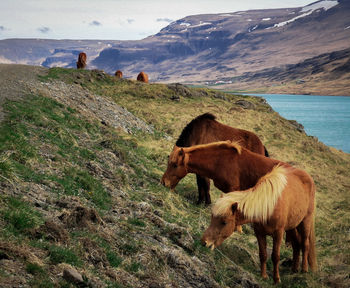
(122, 19)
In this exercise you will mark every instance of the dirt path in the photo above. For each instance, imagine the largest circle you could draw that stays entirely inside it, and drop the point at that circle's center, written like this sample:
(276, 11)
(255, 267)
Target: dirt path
(14, 79)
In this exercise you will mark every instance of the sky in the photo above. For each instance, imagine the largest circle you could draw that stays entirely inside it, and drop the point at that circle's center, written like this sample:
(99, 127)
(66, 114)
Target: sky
(111, 19)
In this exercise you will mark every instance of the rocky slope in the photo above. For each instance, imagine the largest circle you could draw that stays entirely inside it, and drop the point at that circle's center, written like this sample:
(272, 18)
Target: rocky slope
(81, 155)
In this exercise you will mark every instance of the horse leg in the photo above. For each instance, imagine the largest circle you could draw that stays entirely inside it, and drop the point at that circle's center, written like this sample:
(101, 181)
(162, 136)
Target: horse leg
(277, 240)
(203, 189)
(262, 252)
(294, 239)
(304, 229)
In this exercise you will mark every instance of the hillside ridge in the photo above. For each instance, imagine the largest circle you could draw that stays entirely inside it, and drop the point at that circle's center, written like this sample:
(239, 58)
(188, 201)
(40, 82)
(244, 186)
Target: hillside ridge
(81, 156)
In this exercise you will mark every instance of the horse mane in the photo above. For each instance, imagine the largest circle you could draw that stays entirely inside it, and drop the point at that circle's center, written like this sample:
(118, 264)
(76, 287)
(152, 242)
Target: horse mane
(183, 140)
(220, 144)
(257, 202)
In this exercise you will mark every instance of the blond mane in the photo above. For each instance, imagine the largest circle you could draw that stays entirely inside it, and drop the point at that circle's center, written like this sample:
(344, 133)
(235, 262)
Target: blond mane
(220, 144)
(257, 202)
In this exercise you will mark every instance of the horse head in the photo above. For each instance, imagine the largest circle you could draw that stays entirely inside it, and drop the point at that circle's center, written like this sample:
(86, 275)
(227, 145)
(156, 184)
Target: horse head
(220, 228)
(176, 169)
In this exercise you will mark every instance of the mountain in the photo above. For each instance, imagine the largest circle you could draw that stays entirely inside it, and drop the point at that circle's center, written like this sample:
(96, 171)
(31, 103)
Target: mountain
(207, 47)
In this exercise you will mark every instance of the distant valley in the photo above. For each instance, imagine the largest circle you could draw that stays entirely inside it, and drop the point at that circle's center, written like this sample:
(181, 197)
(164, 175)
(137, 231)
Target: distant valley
(295, 50)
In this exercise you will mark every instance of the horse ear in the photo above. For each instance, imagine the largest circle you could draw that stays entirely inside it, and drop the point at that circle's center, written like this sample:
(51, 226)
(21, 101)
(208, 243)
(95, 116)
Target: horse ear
(234, 207)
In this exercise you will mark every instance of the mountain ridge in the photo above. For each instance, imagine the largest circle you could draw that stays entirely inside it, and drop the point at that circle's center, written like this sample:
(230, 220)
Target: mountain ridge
(205, 47)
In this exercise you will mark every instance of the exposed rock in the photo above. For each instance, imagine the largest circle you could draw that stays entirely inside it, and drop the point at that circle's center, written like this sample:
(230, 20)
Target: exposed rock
(296, 125)
(93, 106)
(180, 89)
(245, 104)
(73, 276)
(187, 272)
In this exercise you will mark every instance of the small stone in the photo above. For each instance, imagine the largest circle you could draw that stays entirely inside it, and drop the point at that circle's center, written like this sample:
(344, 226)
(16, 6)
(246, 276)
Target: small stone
(73, 276)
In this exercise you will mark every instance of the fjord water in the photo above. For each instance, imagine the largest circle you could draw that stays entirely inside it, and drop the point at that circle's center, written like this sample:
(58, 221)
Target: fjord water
(326, 117)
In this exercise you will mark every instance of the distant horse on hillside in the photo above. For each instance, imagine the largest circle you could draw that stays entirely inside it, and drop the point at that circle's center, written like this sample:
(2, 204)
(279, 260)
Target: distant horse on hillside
(81, 64)
(143, 77)
(282, 200)
(119, 74)
(205, 129)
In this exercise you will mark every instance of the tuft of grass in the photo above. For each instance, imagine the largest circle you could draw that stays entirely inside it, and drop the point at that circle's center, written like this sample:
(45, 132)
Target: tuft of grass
(136, 222)
(34, 269)
(113, 259)
(19, 215)
(133, 267)
(60, 254)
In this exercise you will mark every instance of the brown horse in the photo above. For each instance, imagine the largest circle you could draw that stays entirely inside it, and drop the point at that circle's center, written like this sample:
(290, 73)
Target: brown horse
(205, 129)
(118, 74)
(282, 200)
(143, 77)
(81, 64)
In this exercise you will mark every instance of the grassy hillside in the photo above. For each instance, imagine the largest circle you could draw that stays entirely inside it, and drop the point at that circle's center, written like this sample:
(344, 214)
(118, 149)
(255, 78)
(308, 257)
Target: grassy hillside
(78, 192)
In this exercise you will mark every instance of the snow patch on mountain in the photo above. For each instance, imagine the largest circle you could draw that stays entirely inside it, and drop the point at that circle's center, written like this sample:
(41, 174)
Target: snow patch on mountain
(326, 5)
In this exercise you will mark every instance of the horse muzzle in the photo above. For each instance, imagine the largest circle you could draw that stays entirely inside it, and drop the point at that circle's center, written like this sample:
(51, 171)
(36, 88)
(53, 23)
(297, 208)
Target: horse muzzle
(208, 244)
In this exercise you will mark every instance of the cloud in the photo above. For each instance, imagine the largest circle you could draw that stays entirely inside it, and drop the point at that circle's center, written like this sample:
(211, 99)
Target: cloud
(95, 23)
(44, 29)
(164, 20)
(130, 21)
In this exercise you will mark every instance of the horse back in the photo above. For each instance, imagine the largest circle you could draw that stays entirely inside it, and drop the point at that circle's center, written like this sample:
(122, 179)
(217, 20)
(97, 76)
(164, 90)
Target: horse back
(213, 131)
(297, 200)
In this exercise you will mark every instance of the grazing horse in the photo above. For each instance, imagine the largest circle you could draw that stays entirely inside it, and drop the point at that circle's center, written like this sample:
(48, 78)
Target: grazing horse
(282, 200)
(118, 74)
(143, 77)
(205, 129)
(81, 64)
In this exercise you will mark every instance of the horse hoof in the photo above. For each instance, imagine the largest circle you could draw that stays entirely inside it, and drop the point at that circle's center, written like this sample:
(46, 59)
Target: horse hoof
(277, 281)
(295, 270)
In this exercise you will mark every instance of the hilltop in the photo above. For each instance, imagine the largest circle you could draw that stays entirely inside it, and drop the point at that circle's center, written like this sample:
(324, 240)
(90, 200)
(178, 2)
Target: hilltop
(220, 48)
(81, 156)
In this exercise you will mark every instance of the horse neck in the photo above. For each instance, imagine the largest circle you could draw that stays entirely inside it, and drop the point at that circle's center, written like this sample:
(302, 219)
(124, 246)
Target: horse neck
(197, 163)
(252, 167)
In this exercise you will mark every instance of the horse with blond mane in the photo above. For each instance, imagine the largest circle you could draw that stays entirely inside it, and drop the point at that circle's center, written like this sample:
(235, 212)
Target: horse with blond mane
(281, 199)
(205, 129)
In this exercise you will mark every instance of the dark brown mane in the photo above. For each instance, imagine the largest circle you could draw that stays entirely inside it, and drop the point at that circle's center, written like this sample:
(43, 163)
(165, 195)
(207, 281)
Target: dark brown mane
(185, 136)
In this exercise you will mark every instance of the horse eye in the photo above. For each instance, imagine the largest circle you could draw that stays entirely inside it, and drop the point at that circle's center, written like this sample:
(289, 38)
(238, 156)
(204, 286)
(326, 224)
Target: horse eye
(223, 222)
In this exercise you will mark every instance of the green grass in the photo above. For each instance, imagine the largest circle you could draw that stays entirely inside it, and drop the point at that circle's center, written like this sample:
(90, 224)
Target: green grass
(39, 121)
(19, 215)
(113, 259)
(49, 144)
(60, 254)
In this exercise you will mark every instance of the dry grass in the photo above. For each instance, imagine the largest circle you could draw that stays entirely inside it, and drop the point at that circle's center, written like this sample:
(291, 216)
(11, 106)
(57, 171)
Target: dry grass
(146, 155)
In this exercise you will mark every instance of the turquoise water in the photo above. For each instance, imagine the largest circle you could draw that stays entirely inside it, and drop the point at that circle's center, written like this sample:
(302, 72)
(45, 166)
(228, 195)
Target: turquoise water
(326, 117)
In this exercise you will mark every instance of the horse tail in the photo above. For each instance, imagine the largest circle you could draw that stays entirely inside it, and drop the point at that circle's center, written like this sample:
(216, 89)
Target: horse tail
(266, 152)
(312, 246)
